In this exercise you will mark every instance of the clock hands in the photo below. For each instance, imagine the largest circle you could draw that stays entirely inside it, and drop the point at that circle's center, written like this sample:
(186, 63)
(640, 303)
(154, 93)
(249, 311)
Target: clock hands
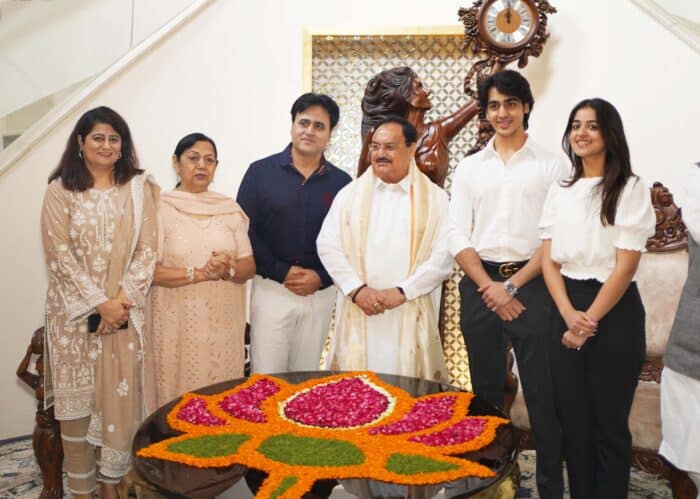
(509, 9)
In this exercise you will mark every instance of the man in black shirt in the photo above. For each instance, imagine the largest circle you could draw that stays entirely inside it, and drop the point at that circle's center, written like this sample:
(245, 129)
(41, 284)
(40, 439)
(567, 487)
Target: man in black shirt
(287, 196)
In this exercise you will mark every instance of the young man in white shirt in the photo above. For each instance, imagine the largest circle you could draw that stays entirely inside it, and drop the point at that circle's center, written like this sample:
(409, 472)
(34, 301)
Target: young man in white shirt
(497, 199)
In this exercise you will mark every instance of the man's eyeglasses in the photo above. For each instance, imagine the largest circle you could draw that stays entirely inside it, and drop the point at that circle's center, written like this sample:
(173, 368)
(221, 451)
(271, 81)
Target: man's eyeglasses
(374, 147)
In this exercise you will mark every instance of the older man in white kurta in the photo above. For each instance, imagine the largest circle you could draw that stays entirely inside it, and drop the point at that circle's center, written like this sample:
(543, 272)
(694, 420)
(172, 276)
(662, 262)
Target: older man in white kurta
(384, 244)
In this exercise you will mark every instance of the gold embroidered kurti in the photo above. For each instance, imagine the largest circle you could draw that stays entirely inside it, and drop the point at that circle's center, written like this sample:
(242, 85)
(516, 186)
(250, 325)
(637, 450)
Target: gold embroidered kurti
(96, 242)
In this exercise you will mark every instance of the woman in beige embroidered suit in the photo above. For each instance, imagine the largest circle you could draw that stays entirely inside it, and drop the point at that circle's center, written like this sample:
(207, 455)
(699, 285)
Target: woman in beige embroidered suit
(98, 228)
(197, 304)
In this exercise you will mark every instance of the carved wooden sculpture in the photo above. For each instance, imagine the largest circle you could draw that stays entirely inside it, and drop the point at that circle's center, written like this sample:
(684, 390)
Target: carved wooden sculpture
(400, 91)
(46, 438)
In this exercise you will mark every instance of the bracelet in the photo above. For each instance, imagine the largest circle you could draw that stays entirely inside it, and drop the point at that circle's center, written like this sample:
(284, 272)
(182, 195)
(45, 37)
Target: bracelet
(401, 291)
(189, 272)
(231, 272)
(354, 295)
(510, 287)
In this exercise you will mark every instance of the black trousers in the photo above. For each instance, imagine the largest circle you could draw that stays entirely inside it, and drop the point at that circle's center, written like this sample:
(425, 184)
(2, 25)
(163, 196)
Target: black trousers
(594, 388)
(485, 336)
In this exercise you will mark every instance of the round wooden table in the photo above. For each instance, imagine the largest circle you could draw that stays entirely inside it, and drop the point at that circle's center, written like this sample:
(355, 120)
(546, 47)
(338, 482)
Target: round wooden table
(178, 480)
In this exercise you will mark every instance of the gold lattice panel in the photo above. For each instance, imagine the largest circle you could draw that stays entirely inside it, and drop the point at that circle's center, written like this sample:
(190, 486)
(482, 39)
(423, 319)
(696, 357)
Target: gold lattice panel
(342, 66)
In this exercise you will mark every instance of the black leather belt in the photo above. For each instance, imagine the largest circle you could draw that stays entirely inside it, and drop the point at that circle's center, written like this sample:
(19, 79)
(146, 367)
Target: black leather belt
(504, 269)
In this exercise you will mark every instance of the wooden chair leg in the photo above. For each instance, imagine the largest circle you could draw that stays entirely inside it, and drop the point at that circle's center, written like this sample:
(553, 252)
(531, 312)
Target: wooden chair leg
(48, 448)
(48, 451)
(681, 485)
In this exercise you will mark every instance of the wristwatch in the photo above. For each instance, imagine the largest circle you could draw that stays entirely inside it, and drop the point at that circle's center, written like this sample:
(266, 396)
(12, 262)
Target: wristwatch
(510, 287)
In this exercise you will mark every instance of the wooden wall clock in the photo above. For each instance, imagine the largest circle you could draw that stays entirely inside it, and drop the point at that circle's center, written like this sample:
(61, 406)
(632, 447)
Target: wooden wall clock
(504, 31)
(508, 25)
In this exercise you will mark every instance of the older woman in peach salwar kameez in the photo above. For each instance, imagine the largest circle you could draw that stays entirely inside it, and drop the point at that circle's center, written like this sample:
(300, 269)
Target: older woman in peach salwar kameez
(198, 299)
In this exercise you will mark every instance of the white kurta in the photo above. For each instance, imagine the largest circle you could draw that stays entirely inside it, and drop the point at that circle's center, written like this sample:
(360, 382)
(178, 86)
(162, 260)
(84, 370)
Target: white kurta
(387, 264)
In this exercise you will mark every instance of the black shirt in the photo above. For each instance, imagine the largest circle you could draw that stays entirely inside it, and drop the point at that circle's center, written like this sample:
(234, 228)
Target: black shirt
(286, 211)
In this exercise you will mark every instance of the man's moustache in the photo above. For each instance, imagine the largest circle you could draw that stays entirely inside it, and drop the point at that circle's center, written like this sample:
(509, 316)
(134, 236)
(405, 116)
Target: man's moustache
(382, 160)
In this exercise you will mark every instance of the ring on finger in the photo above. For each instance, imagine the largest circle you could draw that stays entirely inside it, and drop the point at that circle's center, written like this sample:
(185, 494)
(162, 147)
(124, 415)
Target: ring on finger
(580, 332)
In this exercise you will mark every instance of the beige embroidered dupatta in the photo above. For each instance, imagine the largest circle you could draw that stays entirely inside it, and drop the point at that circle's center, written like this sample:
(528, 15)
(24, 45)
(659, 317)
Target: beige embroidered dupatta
(419, 350)
(119, 372)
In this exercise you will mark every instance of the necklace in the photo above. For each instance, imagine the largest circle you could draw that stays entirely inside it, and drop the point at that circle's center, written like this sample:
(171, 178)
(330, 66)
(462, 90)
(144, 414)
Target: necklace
(202, 221)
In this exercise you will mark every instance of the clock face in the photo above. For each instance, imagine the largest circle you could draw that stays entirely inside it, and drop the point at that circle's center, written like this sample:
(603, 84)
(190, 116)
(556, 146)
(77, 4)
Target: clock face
(508, 24)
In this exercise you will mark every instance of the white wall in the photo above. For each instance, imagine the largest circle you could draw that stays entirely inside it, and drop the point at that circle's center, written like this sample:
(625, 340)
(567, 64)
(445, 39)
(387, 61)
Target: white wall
(46, 46)
(234, 71)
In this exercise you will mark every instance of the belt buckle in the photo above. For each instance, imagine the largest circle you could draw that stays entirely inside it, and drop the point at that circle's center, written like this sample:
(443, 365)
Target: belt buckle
(507, 269)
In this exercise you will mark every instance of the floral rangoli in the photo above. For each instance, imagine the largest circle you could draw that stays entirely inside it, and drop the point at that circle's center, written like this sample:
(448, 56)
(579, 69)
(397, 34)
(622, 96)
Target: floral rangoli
(351, 425)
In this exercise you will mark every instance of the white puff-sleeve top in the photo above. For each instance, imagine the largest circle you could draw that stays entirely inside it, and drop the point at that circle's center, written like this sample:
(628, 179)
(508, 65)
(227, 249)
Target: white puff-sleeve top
(585, 248)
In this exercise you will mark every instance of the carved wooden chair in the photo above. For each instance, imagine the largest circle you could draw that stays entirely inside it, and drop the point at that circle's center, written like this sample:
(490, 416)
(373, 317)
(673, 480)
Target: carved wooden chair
(46, 438)
(661, 275)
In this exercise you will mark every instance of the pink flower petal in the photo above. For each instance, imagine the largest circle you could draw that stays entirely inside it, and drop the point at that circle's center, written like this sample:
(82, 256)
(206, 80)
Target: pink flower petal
(463, 431)
(347, 403)
(424, 414)
(245, 403)
(195, 411)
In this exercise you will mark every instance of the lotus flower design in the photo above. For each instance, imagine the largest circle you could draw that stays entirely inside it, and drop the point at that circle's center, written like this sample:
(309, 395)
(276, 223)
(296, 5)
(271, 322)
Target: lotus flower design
(342, 426)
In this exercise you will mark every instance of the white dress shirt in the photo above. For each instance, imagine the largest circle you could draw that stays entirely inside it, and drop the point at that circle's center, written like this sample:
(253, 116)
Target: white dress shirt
(386, 263)
(585, 248)
(495, 207)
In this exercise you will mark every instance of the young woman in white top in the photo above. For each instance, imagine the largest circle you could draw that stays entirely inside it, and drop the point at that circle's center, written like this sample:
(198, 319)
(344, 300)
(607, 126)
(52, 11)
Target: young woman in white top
(595, 227)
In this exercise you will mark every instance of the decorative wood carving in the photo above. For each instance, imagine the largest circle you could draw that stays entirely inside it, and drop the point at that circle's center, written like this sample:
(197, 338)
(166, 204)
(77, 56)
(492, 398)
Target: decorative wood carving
(46, 438)
(651, 369)
(651, 462)
(682, 486)
(526, 442)
(671, 233)
(474, 41)
(399, 91)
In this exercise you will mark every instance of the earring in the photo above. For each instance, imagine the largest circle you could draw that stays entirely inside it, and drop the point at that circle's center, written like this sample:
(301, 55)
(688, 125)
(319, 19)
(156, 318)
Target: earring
(80, 153)
(120, 155)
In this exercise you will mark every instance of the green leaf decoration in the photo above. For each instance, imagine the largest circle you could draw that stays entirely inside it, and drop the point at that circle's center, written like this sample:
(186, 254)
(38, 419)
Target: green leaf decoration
(403, 464)
(209, 445)
(308, 451)
(286, 483)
